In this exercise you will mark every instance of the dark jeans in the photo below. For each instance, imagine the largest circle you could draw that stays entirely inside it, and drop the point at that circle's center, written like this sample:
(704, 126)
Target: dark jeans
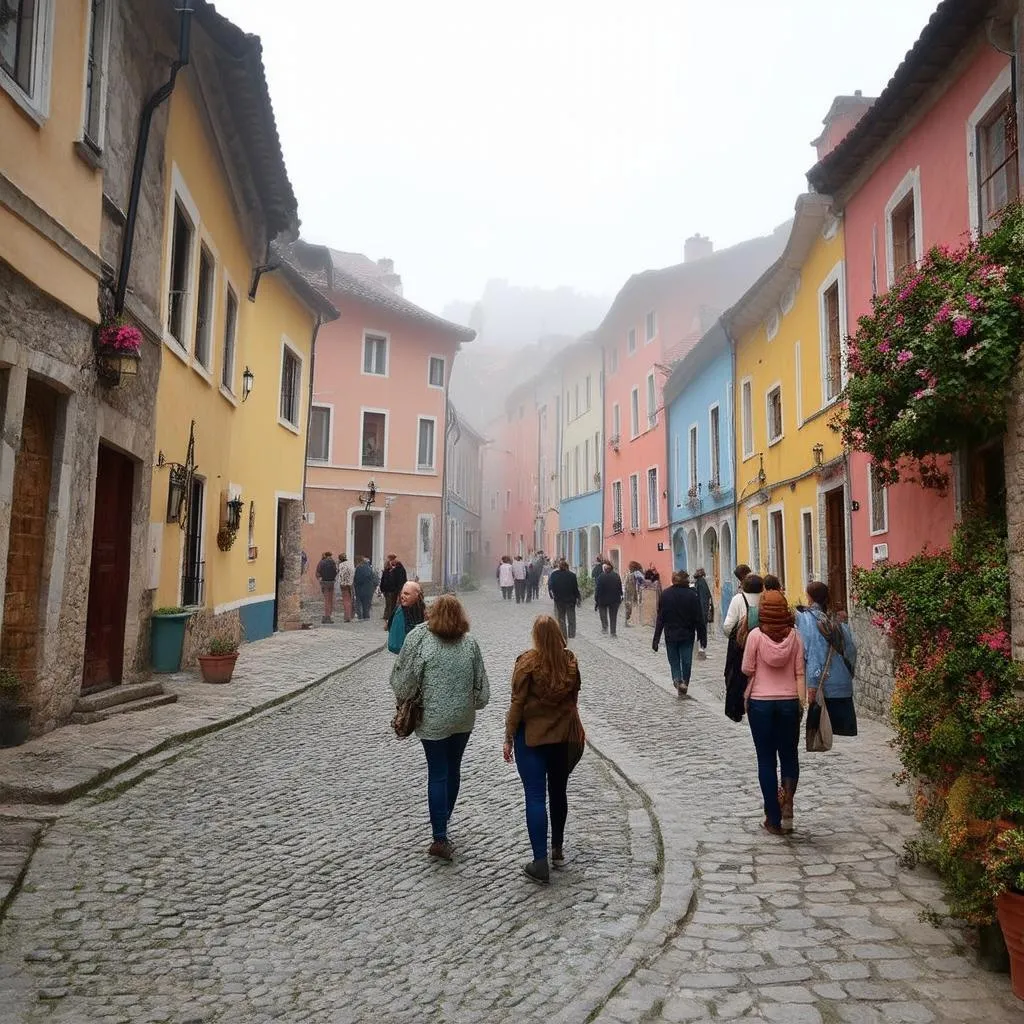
(444, 774)
(775, 727)
(547, 764)
(566, 613)
(506, 593)
(390, 600)
(364, 599)
(520, 586)
(609, 616)
(535, 590)
(680, 659)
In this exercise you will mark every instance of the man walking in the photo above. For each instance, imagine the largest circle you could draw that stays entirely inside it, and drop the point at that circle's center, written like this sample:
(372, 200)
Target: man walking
(327, 573)
(608, 595)
(392, 579)
(707, 604)
(682, 619)
(564, 590)
(519, 576)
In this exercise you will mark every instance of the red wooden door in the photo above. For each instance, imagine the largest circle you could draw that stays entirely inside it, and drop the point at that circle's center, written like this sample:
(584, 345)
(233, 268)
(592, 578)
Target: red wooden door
(109, 570)
(835, 541)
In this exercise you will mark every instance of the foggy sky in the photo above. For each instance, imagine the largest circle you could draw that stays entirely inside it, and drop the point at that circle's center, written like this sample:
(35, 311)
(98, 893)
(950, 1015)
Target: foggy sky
(557, 142)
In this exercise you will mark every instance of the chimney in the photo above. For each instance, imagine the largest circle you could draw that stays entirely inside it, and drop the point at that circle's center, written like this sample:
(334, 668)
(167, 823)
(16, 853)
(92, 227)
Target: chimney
(697, 247)
(841, 119)
(388, 266)
(388, 278)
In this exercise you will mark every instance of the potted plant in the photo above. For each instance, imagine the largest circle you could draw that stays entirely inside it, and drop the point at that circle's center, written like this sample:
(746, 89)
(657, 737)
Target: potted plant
(15, 715)
(218, 664)
(167, 638)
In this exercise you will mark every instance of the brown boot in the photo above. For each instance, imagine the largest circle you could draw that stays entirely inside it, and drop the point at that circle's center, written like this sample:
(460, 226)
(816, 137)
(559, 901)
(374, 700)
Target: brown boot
(786, 794)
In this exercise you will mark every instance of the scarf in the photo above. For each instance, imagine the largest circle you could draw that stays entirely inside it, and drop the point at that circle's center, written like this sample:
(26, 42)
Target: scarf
(774, 617)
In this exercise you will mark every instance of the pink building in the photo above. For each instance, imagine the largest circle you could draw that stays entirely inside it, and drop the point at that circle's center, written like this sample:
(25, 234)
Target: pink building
(932, 160)
(657, 317)
(375, 463)
(518, 445)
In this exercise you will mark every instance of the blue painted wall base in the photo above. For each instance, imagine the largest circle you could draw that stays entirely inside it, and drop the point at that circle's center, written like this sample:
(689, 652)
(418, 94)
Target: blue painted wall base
(257, 620)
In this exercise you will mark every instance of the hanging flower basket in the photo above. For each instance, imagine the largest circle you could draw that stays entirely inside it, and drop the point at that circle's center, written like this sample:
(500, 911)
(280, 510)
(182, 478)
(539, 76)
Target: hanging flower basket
(118, 350)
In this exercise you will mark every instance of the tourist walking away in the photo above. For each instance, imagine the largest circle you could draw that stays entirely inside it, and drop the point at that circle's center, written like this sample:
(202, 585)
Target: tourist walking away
(564, 590)
(681, 618)
(608, 595)
(442, 664)
(327, 573)
(544, 732)
(830, 654)
(537, 569)
(506, 578)
(707, 603)
(364, 582)
(519, 576)
(632, 585)
(740, 618)
(345, 578)
(409, 613)
(773, 661)
(772, 582)
(392, 579)
(597, 568)
(532, 576)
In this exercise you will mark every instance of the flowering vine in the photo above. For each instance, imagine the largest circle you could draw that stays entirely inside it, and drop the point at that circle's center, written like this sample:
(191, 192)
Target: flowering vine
(124, 339)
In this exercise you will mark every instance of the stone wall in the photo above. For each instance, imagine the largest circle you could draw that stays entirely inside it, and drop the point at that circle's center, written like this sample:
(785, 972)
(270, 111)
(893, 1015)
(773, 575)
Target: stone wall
(873, 684)
(289, 611)
(203, 627)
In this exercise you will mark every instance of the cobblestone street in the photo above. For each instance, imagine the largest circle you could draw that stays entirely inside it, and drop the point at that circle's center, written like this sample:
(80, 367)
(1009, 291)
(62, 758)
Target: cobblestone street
(277, 871)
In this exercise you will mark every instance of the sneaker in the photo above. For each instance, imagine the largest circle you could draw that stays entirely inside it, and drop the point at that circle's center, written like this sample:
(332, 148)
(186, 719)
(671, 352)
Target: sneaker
(441, 849)
(538, 871)
(557, 856)
(683, 688)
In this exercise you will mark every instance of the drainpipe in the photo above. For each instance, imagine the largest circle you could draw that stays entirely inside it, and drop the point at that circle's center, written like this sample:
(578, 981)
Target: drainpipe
(145, 123)
(445, 583)
(309, 404)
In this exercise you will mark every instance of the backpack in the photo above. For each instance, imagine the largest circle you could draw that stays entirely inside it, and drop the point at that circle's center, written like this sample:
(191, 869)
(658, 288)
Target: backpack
(745, 625)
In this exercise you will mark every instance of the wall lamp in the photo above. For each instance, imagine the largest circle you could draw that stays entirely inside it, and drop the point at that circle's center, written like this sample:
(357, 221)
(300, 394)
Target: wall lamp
(248, 377)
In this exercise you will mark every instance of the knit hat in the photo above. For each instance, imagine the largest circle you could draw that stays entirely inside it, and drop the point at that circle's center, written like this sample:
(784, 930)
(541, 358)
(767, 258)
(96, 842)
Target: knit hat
(774, 617)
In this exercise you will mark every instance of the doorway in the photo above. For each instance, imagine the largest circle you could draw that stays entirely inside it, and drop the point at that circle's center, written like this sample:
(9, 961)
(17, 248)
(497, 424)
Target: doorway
(713, 563)
(109, 571)
(835, 547)
(425, 548)
(279, 559)
(193, 573)
(362, 537)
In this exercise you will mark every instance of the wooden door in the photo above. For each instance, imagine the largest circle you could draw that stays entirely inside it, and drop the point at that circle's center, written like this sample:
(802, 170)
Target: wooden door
(109, 570)
(362, 537)
(835, 543)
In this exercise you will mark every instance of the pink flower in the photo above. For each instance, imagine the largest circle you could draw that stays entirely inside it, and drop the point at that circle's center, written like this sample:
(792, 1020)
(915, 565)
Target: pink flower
(943, 313)
(973, 301)
(904, 356)
(123, 338)
(962, 326)
(900, 319)
(998, 640)
(884, 347)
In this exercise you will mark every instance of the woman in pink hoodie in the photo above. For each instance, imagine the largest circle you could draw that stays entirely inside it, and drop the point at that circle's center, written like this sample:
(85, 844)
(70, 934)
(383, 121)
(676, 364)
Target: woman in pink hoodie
(773, 661)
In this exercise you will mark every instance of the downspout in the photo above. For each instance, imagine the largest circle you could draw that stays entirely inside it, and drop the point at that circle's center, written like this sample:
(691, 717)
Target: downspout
(141, 146)
(444, 490)
(309, 404)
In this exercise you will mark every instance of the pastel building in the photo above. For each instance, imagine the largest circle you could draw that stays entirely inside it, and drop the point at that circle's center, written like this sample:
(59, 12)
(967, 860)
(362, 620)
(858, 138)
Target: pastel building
(463, 490)
(517, 450)
(701, 464)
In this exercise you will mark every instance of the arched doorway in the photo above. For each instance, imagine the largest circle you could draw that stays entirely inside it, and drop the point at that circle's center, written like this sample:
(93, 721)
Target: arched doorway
(728, 564)
(584, 558)
(713, 563)
(595, 544)
(679, 550)
(692, 551)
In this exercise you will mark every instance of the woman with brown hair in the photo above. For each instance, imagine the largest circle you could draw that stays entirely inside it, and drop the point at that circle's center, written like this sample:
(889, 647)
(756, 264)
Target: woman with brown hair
(543, 728)
(441, 662)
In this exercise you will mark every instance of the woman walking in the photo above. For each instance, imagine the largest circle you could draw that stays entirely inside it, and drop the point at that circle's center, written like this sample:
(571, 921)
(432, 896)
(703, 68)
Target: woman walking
(831, 658)
(773, 661)
(506, 578)
(345, 574)
(707, 603)
(441, 661)
(409, 613)
(364, 582)
(541, 726)
(739, 620)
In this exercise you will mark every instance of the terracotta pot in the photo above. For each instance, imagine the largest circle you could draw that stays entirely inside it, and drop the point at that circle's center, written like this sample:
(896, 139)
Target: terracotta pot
(217, 668)
(1010, 911)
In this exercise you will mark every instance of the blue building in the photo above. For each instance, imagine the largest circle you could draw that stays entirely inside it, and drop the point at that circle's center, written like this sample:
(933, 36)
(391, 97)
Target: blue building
(701, 475)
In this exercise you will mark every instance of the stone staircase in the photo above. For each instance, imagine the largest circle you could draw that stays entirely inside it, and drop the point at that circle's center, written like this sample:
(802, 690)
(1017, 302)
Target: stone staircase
(120, 700)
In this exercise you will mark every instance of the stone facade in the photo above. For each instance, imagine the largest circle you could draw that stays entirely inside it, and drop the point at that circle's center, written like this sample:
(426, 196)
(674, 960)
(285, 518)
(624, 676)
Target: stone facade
(289, 610)
(873, 684)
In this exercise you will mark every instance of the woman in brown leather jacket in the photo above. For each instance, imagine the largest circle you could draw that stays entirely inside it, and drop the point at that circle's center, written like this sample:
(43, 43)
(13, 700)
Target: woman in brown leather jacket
(543, 728)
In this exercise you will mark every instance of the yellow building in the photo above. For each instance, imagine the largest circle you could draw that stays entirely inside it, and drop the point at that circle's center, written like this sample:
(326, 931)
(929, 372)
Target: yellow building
(233, 401)
(788, 332)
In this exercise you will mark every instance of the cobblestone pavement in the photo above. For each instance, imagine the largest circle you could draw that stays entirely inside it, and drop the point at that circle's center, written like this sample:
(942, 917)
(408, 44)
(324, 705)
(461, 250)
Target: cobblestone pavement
(277, 871)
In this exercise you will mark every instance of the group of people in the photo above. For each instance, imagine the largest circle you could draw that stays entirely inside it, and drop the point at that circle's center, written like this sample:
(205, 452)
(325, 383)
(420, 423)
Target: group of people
(521, 578)
(356, 585)
(440, 666)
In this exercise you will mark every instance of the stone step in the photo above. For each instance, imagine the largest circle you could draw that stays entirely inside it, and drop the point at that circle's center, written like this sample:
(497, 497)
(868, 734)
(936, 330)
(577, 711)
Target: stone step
(118, 695)
(88, 717)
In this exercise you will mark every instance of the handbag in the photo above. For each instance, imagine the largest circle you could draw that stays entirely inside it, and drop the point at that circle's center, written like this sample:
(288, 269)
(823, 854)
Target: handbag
(408, 715)
(577, 739)
(819, 725)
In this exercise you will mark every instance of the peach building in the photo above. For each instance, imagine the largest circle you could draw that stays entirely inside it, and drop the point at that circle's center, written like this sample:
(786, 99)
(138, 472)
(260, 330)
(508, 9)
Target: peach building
(379, 413)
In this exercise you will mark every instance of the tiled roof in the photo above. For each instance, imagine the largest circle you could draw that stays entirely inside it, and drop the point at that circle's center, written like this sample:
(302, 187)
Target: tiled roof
(309, 284)
(358, 264)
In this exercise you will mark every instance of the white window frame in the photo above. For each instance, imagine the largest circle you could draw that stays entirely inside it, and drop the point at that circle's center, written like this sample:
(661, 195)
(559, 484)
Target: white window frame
(634, 413)
(634, 491)
(651, 390)
(772, 441)
(616, 421)
(385, 336)
(747, 416)
(430, 470)
(631, 341)
(363, 410)
(330, 434)
(289, 345)
(808, 559)
(871, 505)
(798, 384)
(617, 502)
(754, 528)
(228, 390)
(653, 514)
(96, 144)
(508, 500)
(996, 91)
(911, 183)
(677, 473)
(179, 193)
(613, 360)
(692, 452)
(770, 513)
(715, 406)
(205, 370)
(430, 359)
(836, 276)
(650, 332)
(36, 101)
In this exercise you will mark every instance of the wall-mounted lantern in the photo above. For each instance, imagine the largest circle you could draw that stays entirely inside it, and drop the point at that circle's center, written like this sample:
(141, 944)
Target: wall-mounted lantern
(369, 496)
(234, 513)
(179, 480)
(248, 378)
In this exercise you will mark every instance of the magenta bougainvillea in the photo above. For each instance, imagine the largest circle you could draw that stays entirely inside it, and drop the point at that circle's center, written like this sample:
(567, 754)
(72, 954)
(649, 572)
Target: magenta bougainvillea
(931, 367)
(121, 338)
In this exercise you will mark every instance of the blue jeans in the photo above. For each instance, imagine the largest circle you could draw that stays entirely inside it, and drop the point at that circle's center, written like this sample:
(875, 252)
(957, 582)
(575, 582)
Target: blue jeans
(547, 765)
(444, 775)
(775, 728)
(680, 659)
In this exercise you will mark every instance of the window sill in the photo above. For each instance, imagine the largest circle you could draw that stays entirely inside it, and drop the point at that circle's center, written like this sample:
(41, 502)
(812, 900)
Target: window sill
(879, 533)
(426, 470)
(364, 465)
(229, 396)
(290, 427)
(175, 346)
(203, 371)
(22, 101)
(776, 440)
(371, 373)
(90, 157)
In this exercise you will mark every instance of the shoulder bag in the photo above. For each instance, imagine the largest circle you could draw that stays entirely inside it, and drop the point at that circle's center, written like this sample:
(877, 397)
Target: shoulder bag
(408, 715)
(819, 725)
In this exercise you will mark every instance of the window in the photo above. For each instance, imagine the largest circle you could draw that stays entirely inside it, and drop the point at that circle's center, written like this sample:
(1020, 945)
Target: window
(998, 175)
(652, 401)
(576, 400)
(755, 545)
(617, 506)
(677, 467)
(494, 502)
(291, 385)
(613, 361)
(204, 307)
(631, 340)
(25, 50)
(425, 444)
(319, 449)
(181, 272)
(375, 355)
(508, 503)
(716, 449)
(904, 231)
(774, 408)
(650, 326)
(374, 438)
(616, 422)
(588, 393)
(435, 372)
(878, 501)
(833, 342)
(653, 497)
(693, 461)
(95, 71)
(747, 410)
(227, 370)
(576, 470)
(807, 533)
(634, 502)
(634, 413)
(777, 546)
(586, 465)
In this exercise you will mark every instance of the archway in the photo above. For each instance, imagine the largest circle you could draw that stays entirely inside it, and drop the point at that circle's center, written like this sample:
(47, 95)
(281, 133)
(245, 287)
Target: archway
(692, 551)
(713, 562)
(728, 564)
(595, 544)
(679, 550)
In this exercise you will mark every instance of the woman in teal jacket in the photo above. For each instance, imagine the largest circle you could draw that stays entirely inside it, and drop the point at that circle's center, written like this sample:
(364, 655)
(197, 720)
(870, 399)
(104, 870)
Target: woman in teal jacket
(830, 654)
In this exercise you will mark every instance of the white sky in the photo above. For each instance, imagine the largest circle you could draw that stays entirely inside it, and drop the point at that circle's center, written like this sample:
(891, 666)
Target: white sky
(557, 142)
